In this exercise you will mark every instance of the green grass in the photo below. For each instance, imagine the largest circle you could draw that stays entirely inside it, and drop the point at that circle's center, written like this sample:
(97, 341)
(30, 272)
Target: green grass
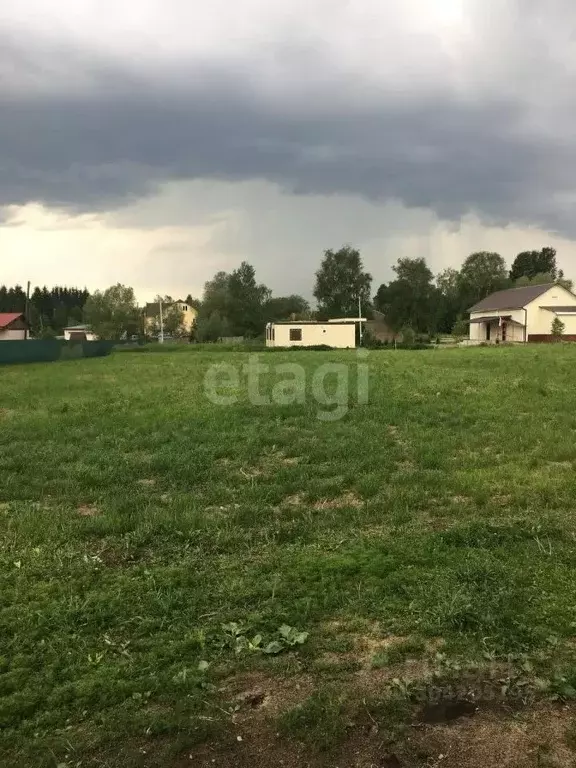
(136, 518)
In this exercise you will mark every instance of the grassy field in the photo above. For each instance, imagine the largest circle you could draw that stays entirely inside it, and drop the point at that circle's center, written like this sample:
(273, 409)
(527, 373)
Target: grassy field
(187, 583)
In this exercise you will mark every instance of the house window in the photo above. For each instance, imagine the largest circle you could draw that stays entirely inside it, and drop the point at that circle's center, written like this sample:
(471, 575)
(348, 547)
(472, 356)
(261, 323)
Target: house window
(184, 308)
(295, 334)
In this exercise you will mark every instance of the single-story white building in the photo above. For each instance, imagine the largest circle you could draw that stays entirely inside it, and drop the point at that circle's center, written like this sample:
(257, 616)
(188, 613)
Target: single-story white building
(13, 326)
(339, 333)
(523, 314)
(79, 333)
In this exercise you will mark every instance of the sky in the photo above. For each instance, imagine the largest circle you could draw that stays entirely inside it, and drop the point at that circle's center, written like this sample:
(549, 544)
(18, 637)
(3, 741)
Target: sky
(156, 142)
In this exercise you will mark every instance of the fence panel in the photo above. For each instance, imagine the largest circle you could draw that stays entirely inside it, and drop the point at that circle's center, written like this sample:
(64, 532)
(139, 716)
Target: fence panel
(48, 350)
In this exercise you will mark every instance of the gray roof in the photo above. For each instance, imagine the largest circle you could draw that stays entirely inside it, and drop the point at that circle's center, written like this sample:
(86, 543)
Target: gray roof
(511, 298)
(152, 309)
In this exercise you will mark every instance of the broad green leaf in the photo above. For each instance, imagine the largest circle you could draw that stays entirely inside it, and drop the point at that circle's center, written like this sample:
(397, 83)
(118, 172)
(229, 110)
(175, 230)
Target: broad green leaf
(273, 647)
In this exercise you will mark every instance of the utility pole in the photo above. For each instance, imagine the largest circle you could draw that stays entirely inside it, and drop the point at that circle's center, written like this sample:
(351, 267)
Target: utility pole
(360, 318)
(161, 339)
(27, 310)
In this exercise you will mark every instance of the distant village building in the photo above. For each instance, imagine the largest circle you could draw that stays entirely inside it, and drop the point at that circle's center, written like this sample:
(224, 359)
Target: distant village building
(152, 316)
(79, 333)
(338, 333)
(13, 326)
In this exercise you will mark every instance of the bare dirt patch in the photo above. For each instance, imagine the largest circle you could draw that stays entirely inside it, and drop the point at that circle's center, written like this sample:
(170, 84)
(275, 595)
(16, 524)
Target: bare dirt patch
(270, 695)
(465, 736)
(88, 510)
(531, 739)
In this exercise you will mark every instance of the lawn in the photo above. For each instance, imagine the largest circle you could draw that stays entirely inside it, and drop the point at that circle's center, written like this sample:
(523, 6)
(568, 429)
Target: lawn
(418, 554)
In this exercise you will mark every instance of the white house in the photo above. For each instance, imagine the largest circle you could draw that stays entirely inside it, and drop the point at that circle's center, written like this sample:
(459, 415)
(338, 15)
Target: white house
(523, 314)
(310, 333)
(79, 333)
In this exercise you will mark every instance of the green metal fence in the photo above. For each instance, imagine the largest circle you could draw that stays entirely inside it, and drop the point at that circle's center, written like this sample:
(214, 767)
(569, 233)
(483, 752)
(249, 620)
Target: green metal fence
(48, 350)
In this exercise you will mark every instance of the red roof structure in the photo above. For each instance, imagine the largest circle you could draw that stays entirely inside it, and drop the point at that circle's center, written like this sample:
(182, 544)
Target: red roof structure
(6, 318)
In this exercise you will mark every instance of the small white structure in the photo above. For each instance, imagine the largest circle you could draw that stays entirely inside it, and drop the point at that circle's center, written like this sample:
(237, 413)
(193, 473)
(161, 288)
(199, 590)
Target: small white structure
(340, 334)
(79, 333)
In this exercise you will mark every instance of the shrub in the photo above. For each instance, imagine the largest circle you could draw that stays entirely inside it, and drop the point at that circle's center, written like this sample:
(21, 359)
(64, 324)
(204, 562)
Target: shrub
(408, 335)
(557, 329)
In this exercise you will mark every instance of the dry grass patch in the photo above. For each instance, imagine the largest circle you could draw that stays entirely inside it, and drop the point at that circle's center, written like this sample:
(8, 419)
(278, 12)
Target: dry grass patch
(348, 499)
(532, 739)
(294, 500)
(259, 694)
(148, 482)
(88, 510)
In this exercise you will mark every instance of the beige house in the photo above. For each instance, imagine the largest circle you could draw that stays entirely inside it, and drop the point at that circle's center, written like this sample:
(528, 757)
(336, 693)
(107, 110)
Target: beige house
(152, 315)
(523, 314)
(310, 333)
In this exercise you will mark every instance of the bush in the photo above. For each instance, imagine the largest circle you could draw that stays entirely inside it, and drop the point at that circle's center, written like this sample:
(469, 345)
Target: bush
(408, 335)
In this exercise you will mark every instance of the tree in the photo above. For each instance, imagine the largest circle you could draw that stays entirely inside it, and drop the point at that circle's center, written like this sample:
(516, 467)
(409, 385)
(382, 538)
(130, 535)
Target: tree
(237, 299)
(114, 313)
(460, 328)
(411, 300)
(211, 328)
(246, 299)
(557, 329)
(286, 308)
(539, 279)
(564, 281)
(174, 322)
(55, 308)
(448, 285)
(529, 264)
(340, 282)
(482, 273)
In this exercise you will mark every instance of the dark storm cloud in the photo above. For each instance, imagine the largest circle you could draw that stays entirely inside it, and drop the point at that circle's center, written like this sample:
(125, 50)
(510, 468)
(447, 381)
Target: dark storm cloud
(112, 137)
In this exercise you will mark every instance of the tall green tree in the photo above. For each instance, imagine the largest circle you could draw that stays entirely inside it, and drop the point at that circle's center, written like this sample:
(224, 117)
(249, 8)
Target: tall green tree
(410, 301)
(286, 308)
(113, 313)
(448, 285)
(212, 327)
(235, 299)
(340, 282)
(482, 273)
(530, 264)
(246, 300)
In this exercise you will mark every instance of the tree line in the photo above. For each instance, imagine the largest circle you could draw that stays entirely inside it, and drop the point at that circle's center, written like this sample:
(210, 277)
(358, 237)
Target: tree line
(425, 303)
(236, 304)
(49, 310)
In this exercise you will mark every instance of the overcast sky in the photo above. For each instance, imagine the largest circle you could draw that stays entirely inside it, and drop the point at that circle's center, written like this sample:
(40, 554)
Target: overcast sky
(156, 142)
